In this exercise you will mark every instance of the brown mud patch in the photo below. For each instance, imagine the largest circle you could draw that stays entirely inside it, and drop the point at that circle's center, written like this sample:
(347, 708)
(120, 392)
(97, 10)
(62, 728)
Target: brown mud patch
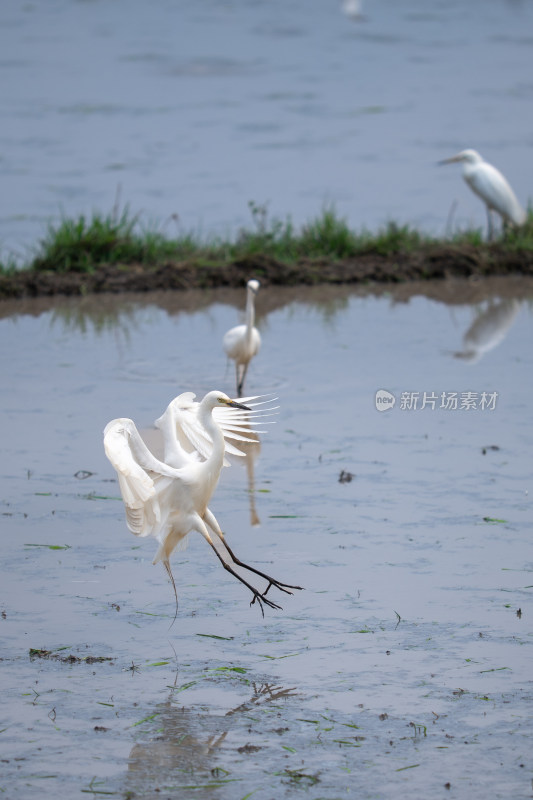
(70, 659)
(428, 264)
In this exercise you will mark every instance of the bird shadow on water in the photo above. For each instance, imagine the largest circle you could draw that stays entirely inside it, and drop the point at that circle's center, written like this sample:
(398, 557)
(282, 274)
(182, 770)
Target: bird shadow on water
(190, 748)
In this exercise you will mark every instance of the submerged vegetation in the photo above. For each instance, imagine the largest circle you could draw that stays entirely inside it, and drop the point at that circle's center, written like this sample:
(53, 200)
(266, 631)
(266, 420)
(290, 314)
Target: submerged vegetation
(118, 242)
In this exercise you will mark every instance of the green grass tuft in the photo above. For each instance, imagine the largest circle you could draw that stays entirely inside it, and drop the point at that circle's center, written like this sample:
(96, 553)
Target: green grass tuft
(327, 235)
(79, 245)
(394, 239)
(85, 243)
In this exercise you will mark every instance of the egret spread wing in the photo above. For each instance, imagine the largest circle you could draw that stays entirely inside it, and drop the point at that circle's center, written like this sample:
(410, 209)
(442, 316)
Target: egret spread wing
(237, 425)
(140, 474)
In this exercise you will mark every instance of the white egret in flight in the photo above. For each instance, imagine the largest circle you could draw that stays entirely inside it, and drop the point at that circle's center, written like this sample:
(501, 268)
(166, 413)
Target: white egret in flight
(491, 186)
(168, 499)
(242, 342)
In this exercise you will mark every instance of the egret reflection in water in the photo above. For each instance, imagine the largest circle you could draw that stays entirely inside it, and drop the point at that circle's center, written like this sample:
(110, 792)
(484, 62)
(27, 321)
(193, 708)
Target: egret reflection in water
(251, 450)
(188, 741)
(488, 329)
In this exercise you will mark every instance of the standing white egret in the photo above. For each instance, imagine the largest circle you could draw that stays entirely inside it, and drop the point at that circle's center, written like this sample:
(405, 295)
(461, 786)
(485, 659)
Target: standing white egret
(493, 188)
(242, 342)
(168, 499)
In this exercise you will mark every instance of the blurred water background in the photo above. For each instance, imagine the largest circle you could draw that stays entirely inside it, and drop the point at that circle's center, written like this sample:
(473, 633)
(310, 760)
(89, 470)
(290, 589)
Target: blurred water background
(188, 108)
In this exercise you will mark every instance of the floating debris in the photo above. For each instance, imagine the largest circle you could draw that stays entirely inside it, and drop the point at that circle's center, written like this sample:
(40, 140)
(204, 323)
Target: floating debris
(70, 659)
(345, 477)
(82, 474)
(248, 748)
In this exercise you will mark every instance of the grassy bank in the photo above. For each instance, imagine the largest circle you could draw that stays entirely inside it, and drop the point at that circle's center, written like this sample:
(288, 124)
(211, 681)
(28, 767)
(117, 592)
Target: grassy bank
(324, 249)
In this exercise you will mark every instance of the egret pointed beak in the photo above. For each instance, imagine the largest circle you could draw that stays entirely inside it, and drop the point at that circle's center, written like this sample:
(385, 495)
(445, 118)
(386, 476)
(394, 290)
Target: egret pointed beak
(235, 404)
(451, 160)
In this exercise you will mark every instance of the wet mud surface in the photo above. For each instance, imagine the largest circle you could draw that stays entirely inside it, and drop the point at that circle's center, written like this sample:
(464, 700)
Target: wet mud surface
(430, 264)
(403, 669)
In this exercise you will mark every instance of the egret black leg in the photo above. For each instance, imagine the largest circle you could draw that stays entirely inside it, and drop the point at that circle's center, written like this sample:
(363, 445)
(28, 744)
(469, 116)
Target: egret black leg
(240, 378)
(260, 597)
(241, 382)
(284, 587)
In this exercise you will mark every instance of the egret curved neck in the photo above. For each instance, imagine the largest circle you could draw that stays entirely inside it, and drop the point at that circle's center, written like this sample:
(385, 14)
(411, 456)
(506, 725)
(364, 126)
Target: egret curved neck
(250, 312)
(216, 457)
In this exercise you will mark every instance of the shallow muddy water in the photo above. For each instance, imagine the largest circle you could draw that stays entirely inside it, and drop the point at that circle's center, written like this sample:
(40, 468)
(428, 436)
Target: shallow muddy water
(195, 108)
(402, 669)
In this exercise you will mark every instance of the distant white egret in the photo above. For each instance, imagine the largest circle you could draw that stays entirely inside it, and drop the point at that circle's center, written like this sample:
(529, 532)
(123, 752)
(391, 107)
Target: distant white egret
(491, 186)
(243, 342)
(168, 498)
(352, 8)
